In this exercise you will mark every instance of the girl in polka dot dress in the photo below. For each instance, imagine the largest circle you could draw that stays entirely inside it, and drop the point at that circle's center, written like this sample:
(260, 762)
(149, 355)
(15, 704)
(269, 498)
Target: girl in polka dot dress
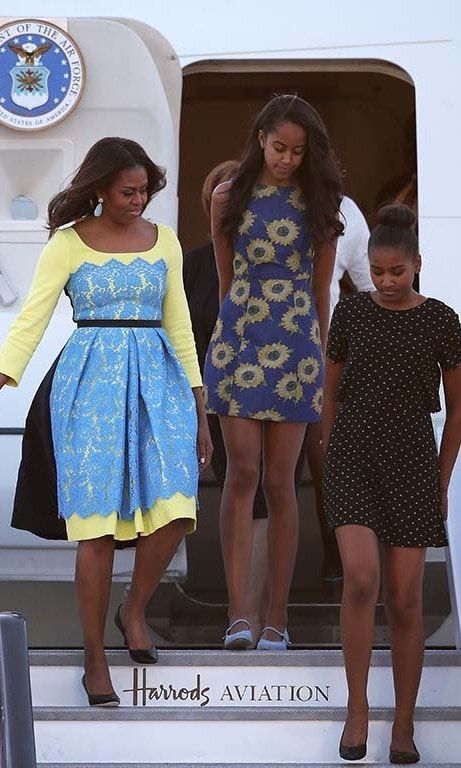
(274, 229)
(384, 482)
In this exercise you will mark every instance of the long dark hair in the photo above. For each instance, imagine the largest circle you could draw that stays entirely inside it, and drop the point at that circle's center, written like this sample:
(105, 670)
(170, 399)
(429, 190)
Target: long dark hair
(103, 161)
(318, 175)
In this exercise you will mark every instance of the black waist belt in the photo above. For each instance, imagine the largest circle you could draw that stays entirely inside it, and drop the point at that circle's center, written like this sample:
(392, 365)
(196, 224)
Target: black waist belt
(119, 323)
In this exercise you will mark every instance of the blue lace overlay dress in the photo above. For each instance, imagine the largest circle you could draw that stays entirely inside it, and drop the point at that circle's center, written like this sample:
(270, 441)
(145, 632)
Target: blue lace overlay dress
(265, 358)
(123, 415)
(122, 412)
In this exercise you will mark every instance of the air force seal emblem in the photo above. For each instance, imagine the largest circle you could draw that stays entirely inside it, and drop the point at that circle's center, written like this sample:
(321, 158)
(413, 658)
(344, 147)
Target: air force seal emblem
(41, 75)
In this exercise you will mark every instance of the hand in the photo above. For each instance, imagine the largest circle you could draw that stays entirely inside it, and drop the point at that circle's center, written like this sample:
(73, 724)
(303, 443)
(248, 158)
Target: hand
(444, 503)
(3, 379)
(204, 444)
(220, 194)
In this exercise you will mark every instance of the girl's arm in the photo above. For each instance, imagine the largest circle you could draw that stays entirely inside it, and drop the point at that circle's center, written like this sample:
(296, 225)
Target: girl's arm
(222, 243)
(451, 437)
(324, 262)
(204, 444)
(331, 404)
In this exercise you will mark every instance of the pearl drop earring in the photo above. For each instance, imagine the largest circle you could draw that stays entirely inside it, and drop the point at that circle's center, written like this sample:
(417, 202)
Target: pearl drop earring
(98, 208)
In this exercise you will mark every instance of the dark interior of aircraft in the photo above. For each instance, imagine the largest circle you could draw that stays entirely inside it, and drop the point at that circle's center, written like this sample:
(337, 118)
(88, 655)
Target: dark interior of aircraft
(369, 110)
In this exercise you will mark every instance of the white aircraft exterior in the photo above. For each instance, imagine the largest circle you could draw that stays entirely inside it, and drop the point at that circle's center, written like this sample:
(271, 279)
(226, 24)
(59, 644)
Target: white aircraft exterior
(418, 42)
(183, 77)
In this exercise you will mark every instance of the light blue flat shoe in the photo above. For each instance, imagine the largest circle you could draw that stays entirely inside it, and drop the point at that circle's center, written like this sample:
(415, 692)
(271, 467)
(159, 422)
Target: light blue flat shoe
(274, 645)
(238, 641)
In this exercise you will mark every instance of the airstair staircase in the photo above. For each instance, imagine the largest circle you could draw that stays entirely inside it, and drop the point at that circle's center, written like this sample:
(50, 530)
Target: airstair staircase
(217, 708)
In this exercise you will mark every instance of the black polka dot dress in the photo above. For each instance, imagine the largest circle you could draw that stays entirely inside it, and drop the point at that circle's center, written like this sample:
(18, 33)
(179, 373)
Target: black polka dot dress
(381, 467)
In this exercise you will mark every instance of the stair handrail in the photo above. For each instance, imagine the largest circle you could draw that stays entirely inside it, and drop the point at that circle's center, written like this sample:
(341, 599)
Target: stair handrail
(17, 746)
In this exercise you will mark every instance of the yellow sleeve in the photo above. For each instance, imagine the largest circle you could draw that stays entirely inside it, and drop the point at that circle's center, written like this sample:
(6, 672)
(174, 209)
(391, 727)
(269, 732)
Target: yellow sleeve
(176, 319)
(51, 275)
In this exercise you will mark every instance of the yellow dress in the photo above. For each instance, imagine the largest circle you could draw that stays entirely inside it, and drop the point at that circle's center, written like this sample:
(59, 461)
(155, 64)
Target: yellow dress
(123, 414)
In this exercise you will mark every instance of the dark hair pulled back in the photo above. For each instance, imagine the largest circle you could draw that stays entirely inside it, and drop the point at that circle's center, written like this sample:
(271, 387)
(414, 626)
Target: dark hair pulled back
(318, 175)
(102, 163)
(395, 229)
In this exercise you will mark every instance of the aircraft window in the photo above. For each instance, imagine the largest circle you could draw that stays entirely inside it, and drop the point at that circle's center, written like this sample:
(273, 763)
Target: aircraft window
(23, 208)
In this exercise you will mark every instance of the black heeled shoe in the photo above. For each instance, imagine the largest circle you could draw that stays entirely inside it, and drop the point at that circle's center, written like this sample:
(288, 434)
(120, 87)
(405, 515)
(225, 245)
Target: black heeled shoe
(404, 758)
(141, 656)
(352, 753)
(100, 699)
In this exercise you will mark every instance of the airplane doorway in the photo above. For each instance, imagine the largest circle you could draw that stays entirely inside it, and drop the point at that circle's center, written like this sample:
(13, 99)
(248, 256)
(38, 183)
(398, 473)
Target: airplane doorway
(369, 110)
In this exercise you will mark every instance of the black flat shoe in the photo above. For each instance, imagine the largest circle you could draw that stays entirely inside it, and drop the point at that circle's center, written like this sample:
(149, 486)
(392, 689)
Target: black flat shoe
(404, 758)
(147, 656)
(352, 753)
(100, 699)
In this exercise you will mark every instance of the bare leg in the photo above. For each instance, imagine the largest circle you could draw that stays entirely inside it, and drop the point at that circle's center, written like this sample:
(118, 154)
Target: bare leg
(93, 574)
(331, 568)
(257, 582)
(242, 438)
(282, 446)
(403, 582)
(153, 554)
(359, 550)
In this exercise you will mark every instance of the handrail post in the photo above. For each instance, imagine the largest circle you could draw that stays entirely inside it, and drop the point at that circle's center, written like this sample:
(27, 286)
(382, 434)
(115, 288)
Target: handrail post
(17, 748)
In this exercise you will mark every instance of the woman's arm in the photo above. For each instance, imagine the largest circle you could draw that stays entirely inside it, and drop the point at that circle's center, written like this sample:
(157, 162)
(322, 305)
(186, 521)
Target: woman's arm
(451, 437)
(175, 313)
(177, 323)
(204, 444)
(51, 275)
(222, 243)
(324, 262)
(331, 404)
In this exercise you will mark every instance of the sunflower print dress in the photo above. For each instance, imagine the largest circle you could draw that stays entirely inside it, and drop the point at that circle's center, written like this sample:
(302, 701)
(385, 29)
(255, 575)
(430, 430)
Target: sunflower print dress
(265, 359)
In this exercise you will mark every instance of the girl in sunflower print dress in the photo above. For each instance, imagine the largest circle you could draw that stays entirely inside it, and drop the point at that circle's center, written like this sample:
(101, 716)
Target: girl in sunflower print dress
(274, 228)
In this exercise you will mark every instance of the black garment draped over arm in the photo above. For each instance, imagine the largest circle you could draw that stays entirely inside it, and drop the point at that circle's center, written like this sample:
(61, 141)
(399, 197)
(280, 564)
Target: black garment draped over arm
(201, 285)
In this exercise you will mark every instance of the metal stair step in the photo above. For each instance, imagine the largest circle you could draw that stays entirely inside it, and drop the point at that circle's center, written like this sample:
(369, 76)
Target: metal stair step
(130, 737)
(218, 657)
(234, 765)
(118, 714)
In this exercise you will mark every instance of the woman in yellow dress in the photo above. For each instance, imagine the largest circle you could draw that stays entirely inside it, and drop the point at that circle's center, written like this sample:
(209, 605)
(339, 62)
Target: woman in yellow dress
(125, 395)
